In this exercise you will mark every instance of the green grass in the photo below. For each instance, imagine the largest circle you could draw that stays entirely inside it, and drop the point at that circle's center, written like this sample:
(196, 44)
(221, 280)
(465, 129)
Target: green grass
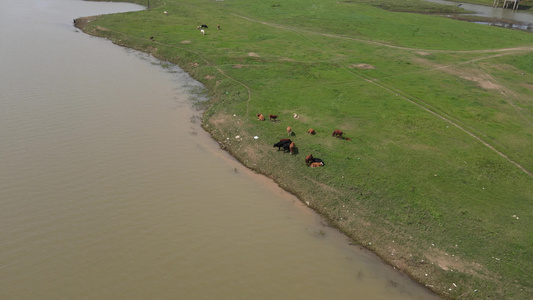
(441, 123)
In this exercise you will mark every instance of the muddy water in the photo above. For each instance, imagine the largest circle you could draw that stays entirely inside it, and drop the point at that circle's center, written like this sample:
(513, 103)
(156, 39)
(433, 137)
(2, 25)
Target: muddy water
(491, 12)
(109, 188)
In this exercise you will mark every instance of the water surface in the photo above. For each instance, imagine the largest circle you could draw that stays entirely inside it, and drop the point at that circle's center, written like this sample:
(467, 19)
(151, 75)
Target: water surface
(491, 12)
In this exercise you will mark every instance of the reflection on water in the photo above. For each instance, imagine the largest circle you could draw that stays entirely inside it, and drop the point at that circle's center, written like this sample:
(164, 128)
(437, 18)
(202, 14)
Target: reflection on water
(111, 190)
(490, 12)
(528, 27)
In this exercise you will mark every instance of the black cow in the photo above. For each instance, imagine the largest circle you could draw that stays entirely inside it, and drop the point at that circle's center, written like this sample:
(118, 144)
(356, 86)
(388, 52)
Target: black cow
(282, 143)
(317, 160)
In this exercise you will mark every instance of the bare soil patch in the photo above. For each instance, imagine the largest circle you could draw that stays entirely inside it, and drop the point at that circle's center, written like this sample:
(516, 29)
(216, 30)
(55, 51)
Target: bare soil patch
(253, 54)
(482, 79)
(362, 66)
(482, 82)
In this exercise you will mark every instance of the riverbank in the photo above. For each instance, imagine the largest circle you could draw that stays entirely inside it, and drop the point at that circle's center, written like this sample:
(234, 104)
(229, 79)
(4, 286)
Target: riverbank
(399, 187)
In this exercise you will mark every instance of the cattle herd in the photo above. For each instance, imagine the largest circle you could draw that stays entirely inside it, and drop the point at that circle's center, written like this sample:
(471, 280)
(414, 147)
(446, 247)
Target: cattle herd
(288, 146)
(203, 26)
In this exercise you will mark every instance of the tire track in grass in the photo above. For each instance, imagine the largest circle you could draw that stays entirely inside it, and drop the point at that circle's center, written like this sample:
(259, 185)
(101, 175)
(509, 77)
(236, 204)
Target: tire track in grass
(336, 36)
(208, 63)
(420, 103)
(502, 87)
(425, 106)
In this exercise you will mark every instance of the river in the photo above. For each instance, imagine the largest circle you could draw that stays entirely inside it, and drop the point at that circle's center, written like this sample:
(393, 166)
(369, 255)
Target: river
(110, 189)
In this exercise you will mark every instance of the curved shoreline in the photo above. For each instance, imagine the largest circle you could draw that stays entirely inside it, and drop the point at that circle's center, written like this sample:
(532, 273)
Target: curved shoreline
(208, 127)
(363, 236)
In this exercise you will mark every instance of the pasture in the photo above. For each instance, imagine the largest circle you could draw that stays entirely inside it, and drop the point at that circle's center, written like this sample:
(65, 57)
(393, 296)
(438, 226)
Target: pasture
(437, 177)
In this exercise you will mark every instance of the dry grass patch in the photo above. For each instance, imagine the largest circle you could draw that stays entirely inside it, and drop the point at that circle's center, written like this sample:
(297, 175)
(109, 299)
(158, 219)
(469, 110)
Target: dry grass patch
(484, 81)
(362, 66)
(449, 262)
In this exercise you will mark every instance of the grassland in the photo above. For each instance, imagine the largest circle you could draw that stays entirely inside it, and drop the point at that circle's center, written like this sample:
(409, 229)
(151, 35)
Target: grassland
(437, 179)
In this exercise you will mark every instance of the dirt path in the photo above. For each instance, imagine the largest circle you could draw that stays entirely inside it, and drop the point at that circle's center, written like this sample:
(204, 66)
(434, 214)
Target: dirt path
(525, 48)
(418, 102)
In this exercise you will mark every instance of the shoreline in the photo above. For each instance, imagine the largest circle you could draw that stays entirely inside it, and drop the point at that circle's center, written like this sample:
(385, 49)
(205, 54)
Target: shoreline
(222, 125)
(354, 240)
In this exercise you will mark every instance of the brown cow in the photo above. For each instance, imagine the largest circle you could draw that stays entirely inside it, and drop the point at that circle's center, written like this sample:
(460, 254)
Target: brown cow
(316, 164)
(311, 131)
(260, 117)
(291, 148)
(272, 117)
(289, 131)
(337, 133)
(282, 143)
(309, 159)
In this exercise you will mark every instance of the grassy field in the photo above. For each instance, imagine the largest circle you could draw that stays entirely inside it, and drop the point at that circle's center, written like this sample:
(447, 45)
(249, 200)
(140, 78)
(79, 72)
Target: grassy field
(437, 178)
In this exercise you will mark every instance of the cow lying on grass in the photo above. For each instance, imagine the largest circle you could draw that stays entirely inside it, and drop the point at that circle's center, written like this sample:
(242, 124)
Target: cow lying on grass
(316, 164)
(310, 160)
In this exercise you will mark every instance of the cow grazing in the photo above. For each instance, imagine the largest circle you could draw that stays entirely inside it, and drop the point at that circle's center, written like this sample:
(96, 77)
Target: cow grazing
(165, 12)
(292, 147)
(282, 143)
(316, 164)
(296, 116)
(287, 147)
(218, 26)
(260, 117)
(337, 133)
(203, 26)
(202, 31)
(289, 131)
(272, 117)
(311, 131)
